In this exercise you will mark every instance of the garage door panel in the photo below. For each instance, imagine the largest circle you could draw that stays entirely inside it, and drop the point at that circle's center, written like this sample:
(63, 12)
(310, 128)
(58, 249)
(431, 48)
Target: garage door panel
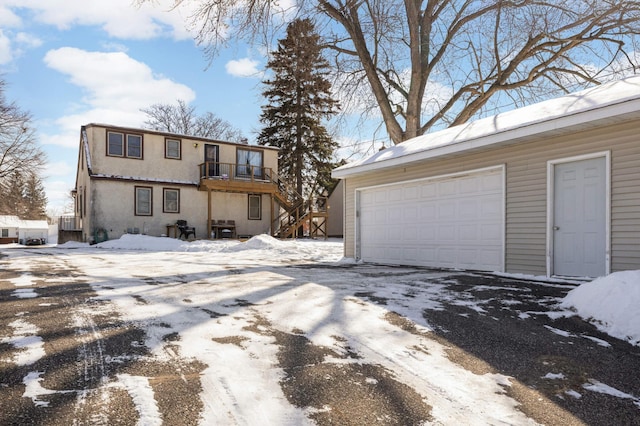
(455, 222)
(468, 186)
(428, 232)
(446, 233)
(468, 233)
(468, 257)
(395, 194)
(428, 192)
(467, 208)
(410, 214)
(491, 182)
(446, 188)
(491, 206)
(427, 212)
(411, 193)
(447, 209)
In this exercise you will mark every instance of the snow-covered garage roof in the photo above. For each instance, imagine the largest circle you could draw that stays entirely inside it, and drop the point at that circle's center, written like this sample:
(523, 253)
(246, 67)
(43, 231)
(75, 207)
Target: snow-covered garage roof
(15, 222)
(605, 104)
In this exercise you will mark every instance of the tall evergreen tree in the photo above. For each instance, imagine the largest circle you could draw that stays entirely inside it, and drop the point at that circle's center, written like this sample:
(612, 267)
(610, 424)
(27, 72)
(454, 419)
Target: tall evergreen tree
(299, 99)
(12, 201)
(35, 199)
(22, 197)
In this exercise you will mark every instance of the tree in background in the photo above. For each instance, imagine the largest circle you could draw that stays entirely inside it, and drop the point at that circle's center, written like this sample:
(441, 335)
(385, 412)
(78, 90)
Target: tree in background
(20, 156)
(299, 99)
(425, 64)
(22, 197)
(183, 119)
(12, 195)
(35, 199)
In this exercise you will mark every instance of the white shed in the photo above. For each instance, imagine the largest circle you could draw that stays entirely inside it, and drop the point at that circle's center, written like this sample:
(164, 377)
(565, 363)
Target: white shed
(33, 229)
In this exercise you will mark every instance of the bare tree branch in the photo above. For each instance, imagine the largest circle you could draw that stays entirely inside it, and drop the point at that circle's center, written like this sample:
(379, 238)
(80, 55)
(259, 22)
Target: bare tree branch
(183, 119)
(19, 150)
(485, 53)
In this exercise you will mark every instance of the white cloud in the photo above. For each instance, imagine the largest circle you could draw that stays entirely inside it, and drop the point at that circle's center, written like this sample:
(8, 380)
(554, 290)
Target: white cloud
(59, 168)
(119, 18)
(115, 87)
(244, 67)
(28, 40)
(6, 54)
(8, 19)
(58, 194)
(114, 47)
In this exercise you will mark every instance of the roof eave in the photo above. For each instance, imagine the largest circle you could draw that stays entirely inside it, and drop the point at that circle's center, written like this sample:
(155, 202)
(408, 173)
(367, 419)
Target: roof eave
(581, 120)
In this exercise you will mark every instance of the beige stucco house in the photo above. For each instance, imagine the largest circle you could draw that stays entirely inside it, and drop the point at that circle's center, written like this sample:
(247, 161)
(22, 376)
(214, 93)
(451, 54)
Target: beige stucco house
(549, 189)
(141, 181)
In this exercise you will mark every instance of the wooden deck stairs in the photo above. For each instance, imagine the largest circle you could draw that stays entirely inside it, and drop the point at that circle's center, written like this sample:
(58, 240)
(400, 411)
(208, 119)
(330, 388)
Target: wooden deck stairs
(298, 216)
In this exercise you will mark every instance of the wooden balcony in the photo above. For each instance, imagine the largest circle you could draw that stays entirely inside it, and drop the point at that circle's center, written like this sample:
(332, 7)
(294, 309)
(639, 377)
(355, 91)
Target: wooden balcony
(229, 177)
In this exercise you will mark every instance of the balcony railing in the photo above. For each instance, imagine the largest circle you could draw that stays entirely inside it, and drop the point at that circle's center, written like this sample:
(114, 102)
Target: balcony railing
(69, 223)
(235, 172)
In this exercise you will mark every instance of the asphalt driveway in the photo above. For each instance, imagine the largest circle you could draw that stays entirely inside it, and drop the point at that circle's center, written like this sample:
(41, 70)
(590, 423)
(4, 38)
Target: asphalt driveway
(516, 332)
(563, 371)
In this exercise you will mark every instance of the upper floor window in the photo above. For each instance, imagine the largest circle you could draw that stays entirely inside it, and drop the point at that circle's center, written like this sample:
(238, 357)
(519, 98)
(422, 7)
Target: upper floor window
(134, 146)
(249, 162)
(172, 148)
(115, 144)
(124, 145)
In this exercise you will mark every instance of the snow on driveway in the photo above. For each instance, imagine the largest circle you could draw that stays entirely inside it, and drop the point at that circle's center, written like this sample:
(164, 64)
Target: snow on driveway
(237, 308)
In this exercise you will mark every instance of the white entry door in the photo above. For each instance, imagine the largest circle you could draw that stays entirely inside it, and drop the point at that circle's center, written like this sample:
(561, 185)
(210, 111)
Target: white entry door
(451, 222)
(579, 221)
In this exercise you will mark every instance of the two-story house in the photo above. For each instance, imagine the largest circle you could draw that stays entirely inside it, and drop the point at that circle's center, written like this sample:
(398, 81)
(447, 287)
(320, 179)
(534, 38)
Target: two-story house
(142, 181)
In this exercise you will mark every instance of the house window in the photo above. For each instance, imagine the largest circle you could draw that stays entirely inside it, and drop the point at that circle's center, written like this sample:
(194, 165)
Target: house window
(143, 201)
(5, 233)
(172, 148)
(115, 144)
(134, 146)
(249, 163)
(171, 200)
(255, 207)
(124, 145)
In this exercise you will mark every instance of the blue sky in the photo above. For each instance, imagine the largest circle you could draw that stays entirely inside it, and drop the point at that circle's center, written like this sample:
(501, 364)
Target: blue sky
(73, 62)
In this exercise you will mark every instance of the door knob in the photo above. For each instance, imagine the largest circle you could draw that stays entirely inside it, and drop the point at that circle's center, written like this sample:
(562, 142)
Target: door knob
(556, 228)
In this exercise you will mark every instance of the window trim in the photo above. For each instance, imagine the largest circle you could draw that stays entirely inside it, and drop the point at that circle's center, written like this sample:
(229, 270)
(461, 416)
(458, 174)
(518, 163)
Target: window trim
(166, 148)
(238, 165)
(129, 135)
(125, 144)
(259, 198)
(135, 201)
(122, 141)
(164, 200)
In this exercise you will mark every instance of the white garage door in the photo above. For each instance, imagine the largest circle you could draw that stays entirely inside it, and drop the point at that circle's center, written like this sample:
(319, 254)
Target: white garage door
(452, 222)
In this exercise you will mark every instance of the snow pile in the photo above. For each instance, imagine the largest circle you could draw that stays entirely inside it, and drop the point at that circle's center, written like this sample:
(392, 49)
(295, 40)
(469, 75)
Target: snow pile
(260, 242)
(144, 242)
(611, 304)
(259, 248)
(72, 245)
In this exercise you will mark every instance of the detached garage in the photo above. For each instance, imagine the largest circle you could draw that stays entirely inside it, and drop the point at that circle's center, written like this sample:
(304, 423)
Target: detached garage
(453, 221)
(549, 189)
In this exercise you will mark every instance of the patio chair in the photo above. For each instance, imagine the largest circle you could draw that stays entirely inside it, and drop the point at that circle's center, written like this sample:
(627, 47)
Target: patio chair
(185, 230)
